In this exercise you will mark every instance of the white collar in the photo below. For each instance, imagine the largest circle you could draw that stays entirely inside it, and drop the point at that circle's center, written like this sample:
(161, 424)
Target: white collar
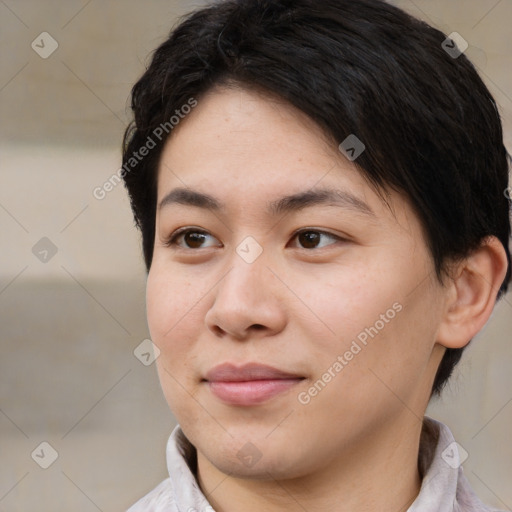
(444, 487)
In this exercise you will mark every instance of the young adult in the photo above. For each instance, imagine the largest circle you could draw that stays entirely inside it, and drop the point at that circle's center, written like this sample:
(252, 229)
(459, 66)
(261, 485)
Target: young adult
(320, 191)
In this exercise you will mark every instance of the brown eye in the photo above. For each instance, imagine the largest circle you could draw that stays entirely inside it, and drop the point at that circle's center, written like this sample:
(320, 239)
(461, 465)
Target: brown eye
(194, 239)
(310, 239)
(189, 239)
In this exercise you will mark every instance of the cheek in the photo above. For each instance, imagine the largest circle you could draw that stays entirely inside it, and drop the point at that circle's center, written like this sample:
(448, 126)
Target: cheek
(370, 319)
(345, 304)
(172, 318)
(170, 299)
(174, 324)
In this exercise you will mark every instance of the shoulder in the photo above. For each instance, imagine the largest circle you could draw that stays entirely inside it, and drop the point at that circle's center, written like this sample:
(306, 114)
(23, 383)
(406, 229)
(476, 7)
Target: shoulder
(467, 500)
(444, 485)
(160, 499)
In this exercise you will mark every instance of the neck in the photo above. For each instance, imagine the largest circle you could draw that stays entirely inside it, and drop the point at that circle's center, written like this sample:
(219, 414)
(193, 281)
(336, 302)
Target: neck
(380, 473)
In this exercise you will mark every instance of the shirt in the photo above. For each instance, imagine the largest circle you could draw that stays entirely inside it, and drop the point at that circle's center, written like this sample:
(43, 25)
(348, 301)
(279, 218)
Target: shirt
(444, 487)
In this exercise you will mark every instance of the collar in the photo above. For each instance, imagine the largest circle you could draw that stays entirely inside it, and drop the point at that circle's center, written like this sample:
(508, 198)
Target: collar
(444, 487)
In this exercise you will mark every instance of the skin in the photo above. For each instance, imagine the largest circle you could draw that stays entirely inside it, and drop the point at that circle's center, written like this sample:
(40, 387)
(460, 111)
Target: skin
(297, 307)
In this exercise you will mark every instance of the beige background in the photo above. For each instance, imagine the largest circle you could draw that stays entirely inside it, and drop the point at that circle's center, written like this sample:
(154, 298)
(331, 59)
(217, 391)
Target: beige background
(69, 326)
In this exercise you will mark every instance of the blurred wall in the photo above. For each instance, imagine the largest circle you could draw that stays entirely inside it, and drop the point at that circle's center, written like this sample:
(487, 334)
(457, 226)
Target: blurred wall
(72, 279)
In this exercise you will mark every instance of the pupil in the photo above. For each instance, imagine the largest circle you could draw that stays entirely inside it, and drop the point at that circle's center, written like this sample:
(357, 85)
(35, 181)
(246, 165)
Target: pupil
(309, 237)
(194, 239)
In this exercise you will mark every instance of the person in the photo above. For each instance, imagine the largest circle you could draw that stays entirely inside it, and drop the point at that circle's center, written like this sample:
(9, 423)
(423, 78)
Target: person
(320, 191)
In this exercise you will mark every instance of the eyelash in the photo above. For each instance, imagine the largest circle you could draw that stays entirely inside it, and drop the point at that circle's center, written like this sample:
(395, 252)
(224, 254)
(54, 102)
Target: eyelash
(171, 240)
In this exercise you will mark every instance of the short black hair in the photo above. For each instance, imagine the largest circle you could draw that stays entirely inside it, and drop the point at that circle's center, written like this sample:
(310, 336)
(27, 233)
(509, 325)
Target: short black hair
(431, 128)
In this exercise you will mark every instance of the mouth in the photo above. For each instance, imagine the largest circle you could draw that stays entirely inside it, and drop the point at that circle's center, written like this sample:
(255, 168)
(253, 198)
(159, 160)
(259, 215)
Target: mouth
(250, 384)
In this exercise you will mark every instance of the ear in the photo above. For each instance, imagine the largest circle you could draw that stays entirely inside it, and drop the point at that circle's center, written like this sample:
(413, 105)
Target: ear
(471, 293)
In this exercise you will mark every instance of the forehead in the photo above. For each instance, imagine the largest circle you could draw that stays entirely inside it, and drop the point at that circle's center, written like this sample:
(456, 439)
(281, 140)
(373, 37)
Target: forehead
(239, 125)
(244, 146)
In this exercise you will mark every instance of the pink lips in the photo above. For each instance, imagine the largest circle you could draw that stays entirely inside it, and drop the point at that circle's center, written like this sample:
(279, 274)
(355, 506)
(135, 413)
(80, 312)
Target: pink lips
(249, 384)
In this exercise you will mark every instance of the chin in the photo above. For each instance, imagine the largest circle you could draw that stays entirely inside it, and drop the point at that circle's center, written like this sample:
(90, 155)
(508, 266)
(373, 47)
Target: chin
(252, 455)
(273, 466)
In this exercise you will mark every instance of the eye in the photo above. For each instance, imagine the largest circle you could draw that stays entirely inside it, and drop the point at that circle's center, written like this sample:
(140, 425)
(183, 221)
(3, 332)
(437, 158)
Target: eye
(310, 238)
(193, 238)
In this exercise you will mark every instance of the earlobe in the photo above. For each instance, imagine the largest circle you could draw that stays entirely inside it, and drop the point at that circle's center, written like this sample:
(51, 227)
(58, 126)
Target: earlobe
(471, 293)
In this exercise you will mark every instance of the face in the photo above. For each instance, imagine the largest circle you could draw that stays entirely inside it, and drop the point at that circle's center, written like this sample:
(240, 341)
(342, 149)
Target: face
(291, 330)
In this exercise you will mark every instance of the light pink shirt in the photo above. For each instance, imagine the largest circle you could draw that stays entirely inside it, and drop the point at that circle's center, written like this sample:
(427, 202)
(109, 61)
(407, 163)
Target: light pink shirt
(444, 487)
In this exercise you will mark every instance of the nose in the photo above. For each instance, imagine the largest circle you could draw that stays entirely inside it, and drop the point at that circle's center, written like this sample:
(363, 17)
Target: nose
(248, 301)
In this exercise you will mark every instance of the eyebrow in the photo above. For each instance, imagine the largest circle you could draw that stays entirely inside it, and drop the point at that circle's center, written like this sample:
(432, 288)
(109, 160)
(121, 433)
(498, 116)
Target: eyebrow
(285, 204)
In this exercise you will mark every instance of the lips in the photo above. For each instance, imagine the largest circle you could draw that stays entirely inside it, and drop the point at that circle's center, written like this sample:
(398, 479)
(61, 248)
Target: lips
(249, 371)
(250, 384)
